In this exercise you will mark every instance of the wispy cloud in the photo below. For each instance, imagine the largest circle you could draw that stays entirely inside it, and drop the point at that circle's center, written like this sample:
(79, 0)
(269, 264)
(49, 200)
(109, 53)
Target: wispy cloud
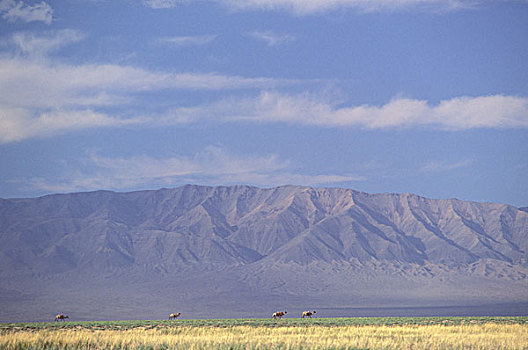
(303, 7)
(12, 10)
(161, 4)
(271, 38)
(188, 40)
(39, 98)
(212, 166)
(17, 124)
(460, 113)
(439, 166)
(37, 83)
(30, 44)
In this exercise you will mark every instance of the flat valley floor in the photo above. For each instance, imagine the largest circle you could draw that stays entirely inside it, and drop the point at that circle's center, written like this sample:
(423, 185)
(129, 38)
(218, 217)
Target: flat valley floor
(287, 333)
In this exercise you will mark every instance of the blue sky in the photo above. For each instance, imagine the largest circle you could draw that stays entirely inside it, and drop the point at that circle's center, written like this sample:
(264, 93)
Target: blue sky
(421, 96)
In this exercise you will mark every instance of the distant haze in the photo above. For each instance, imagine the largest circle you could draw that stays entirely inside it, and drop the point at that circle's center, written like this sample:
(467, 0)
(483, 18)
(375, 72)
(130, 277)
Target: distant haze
(244, 251)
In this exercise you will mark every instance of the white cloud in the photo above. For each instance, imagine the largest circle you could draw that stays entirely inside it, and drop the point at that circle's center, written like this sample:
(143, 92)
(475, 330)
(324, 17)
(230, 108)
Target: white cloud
(188, 40)
(498, 111)
(312, 6)
(42, 98)
(212, 166)
(30, 44)
(17, 123)
(483, 111)
(271, 38)
(36, 83)
(461, 113)
(18, 10)
(161, 4)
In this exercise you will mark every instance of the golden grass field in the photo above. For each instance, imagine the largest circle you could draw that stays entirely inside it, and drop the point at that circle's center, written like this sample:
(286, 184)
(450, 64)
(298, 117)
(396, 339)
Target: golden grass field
(181, 335)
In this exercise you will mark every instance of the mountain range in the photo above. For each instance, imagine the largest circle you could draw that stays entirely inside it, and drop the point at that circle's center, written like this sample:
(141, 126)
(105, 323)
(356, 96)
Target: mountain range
(244, 251)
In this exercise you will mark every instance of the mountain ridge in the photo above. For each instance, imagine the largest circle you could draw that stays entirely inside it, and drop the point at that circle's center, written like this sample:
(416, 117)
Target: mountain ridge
(275, 243)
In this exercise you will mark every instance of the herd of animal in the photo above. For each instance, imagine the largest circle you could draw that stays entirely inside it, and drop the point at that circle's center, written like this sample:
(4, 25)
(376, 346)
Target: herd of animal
(276, 315)
(279, 314)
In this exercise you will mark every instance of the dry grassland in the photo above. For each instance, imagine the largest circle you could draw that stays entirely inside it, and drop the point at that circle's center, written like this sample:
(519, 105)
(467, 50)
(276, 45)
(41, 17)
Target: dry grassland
(465, 336)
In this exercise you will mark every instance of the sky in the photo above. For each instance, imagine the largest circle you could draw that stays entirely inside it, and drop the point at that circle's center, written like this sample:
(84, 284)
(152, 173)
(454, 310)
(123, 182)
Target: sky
(407, 96)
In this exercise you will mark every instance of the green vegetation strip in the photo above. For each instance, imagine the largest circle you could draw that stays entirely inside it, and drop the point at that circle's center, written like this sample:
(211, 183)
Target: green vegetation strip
(256, 322)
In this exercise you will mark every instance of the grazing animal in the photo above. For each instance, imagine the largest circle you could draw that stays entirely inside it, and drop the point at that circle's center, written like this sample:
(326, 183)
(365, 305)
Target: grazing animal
(308, 314)
(174, 316)
(62, 317)
(279, 314)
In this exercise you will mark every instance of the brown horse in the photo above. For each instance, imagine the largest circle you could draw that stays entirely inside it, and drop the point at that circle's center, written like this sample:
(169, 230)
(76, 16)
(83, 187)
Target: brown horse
(279, 314)
(62, 317)
(174, 316)
(308, 314)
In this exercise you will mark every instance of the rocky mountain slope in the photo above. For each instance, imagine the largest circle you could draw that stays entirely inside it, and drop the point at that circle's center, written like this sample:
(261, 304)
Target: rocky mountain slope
(224, 250)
